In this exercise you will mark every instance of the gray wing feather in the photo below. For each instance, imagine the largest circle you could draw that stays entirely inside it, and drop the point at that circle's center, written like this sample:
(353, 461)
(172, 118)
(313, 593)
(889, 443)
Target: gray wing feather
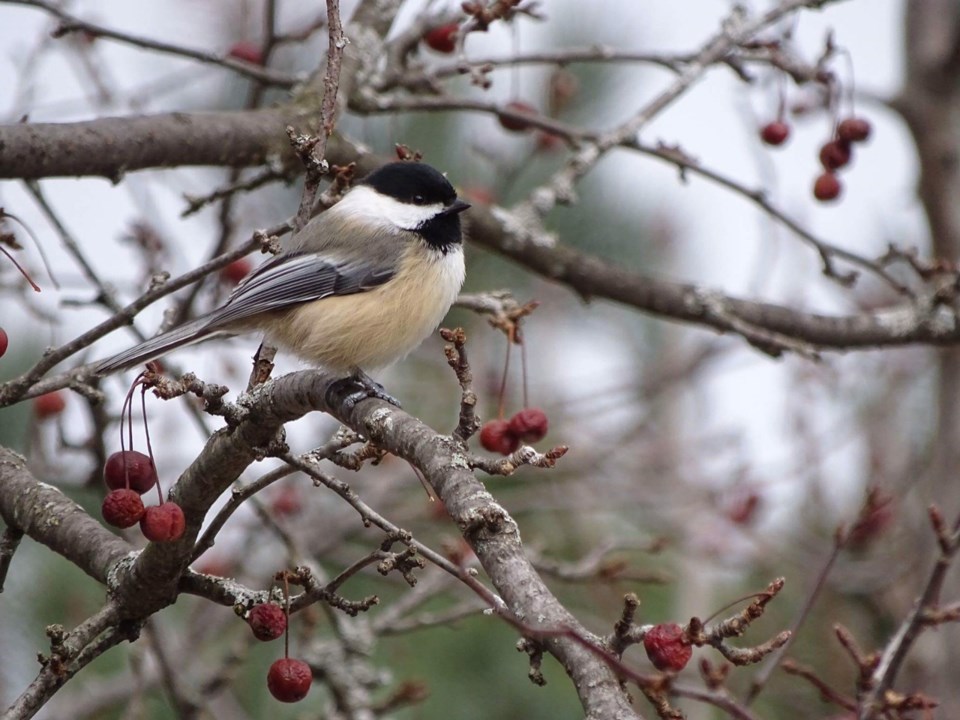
(297, 278)
(153, 348)
(285, 280)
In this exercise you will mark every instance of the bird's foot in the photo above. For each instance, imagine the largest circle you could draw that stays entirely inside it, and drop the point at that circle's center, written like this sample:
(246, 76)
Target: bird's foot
(363, 387)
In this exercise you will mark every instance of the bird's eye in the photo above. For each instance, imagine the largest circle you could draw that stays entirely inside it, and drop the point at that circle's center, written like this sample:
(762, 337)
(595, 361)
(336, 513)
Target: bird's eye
(419, 200)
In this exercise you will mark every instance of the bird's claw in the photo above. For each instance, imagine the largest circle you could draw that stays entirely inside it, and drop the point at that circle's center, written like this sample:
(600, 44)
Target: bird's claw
(366, 387)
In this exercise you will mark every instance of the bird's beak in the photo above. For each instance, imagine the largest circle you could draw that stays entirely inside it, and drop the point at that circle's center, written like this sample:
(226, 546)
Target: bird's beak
(457, 207)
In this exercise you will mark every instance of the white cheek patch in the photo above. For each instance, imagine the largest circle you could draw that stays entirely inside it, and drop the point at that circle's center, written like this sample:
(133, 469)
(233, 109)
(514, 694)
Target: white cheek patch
(366, 205)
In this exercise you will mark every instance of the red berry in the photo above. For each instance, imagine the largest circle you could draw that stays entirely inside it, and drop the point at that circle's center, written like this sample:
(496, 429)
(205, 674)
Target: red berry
(286, 502)
(548, 142)
(835, 154)
(667, 647)
(4, 342)
(46, 406)
(163, 523)
(853, 129)
(529, 425)
(268, 621)
(775, 133)
(218, 567)
(235, 271)
(289, 680)
(744, 509)
(479, 194)
(517, 124)
(132, 465)
(443, 39)
(495, 436)
(826, 187)
(247, 51)
(122, 508)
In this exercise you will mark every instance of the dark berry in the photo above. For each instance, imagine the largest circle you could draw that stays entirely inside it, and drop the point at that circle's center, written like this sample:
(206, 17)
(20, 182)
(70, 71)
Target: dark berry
(46, 406)
(667, 647)
(4, 342)
(744, 508)
(835, 154)
(235, 271)
(826, 187)
(517, 124)
(495, 436)
(289, 680)
(529, 425)
(875, 518)
(132, 465)
(268, 621)
(122, 508)
(247, 51)
(775, 133)
(163, 523)
(443, 39)
(853, 129)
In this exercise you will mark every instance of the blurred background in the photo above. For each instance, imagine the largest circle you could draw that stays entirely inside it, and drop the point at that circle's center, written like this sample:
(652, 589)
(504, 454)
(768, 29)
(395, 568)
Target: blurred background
(699, 468)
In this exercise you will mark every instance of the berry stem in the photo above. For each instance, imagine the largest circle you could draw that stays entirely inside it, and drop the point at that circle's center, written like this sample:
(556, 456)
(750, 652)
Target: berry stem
(851, 86)
(19, 267)
(751, 596)
(781, 96)
(503, 379)
(146, 432)
(515, 74)
(523, 369)
(40, 251)
(126, 416)
(286, 610)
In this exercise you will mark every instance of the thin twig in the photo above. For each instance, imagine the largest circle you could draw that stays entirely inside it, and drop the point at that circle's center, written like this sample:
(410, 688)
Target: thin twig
(896, 650)
(16, 389)
(71, 23)
(313, 150)
(767, 670)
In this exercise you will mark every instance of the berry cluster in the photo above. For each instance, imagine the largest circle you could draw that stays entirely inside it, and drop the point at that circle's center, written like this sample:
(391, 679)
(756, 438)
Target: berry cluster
(129, 474)
(444, 39)
(505, 436)
(837, 153)
(288, 679)
(529, 424)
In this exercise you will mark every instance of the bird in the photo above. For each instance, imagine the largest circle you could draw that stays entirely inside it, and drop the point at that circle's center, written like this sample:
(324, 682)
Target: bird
(356, 289)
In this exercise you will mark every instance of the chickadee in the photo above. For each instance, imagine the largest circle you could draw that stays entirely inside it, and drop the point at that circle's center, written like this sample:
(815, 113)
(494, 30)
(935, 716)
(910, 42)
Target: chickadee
(360, 285)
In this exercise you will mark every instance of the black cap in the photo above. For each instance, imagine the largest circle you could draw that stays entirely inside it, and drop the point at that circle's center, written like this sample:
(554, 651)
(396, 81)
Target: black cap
(411, 182)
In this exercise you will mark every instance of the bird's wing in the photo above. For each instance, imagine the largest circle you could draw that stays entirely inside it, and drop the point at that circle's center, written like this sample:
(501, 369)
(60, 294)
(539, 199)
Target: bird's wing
(299, 277)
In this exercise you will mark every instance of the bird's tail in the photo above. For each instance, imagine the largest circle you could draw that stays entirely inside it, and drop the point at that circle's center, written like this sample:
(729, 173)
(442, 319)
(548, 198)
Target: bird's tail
(151, 349)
